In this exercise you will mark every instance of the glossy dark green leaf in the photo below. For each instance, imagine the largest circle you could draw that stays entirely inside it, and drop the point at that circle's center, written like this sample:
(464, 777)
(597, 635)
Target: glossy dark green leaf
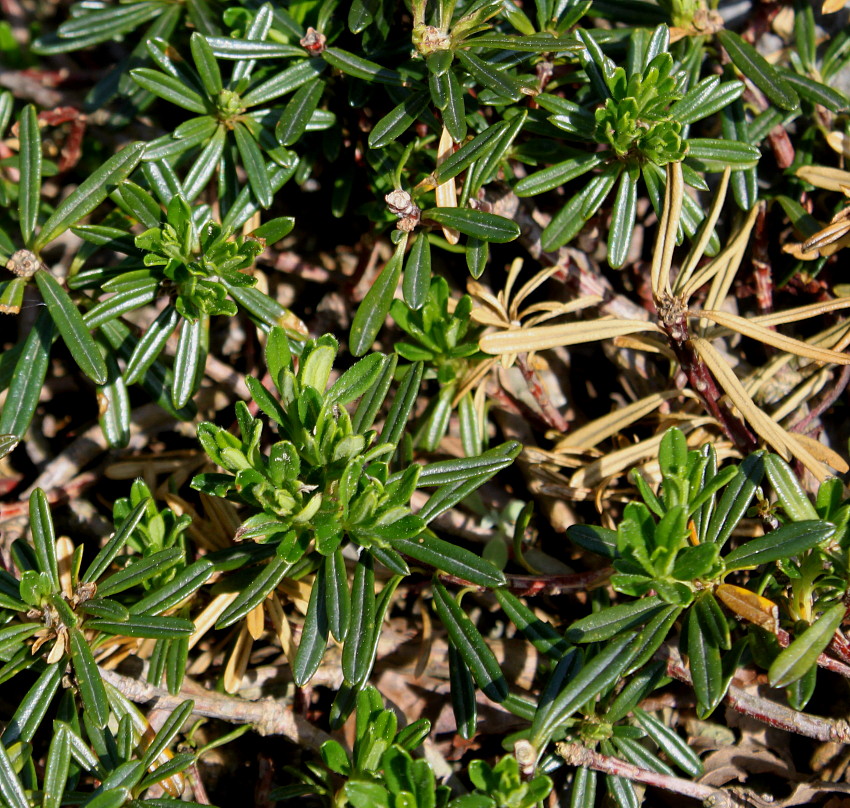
(145, 626)
(375, 306)
(477, 256)
(11, 788)
(736, 499)
(114, 405)
(43, 536)
(789, 492)
(787, 541)
(417, 273)
(32, 709)
(583, 788)
(463, 468)
(671, 742)
(450, 558)
(462, 694)
(88, 679)
(595, 677)
(468, 153)
(296, 114)
(56, 770)
(176, 590)
(133, 297)
(169, 88)
(402, 405)
(256, 591)
(360, 68)
(27, 379)
(490, 76)
(558, 174)
(450, 93)
(338, 598)
(113, 546)
(398, 120)
(188, 360)
(69, 322)
(706, 98)
(150, 344)
(802, 654)
(704, 663)
(542, 635)
(355, 381)
(716, 154)
(140, 569)
(756, 68)
(362, 625)
(89, 193)
(206, 64)
(622, 219)
(476, 223)
(816, 92)
(614, 620)
(30, 172)
(284, 82)
(254, 165)
(314, 635)
(205, 164)
(470, 645)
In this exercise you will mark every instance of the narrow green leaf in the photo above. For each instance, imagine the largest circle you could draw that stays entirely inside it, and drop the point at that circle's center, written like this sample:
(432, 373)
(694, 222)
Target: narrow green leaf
(450, 558)
(256, 592)
(11, 788)
(188, 360)
(375, 306)
(338, 598)
(151, 343)
(543, 636)
(28, 378)
(716, 154)
(468, 153)
(43, 536)
(417, 273)
(56, 770)
(704, 662)
(90, 193)
(355, 381)
(184, 584)
(756, 68)
(558, 174)
(114, 405)
(29, 185)
(595, 677)
(362, 623)
(490, 76)
(470, 645)
(296, 114)
(138, 570)
(361, 68)
(706, 98)
(398, 120)
(69, 322)
(88, 679)
(787, 541)
(205, 63)
(623, 219)
(476, 223)
(462, 694)
(113, 546)
(157, 628)
(802, 654)
(736, 499)
(32, 709)
(815, 92)
(169, 88)
(254, 165)
(284, 82)
(477, 256)
(613, 620)
(402, 405)
(314, 635)
(792, 497)
(205, 165)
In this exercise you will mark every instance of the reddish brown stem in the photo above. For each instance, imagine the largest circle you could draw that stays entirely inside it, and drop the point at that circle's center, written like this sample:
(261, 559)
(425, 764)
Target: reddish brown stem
(536, 388)
(578, 755)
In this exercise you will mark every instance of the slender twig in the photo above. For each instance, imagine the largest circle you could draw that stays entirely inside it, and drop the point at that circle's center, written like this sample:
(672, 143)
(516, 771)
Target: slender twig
(823, 401)
(577, 755)
(536, 388)
(267, 716)
(531, 585)
(767, 711)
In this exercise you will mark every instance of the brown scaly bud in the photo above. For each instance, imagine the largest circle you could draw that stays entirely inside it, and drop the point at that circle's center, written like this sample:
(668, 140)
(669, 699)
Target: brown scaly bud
(313, 42)
(401, 204)
(24, 263)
